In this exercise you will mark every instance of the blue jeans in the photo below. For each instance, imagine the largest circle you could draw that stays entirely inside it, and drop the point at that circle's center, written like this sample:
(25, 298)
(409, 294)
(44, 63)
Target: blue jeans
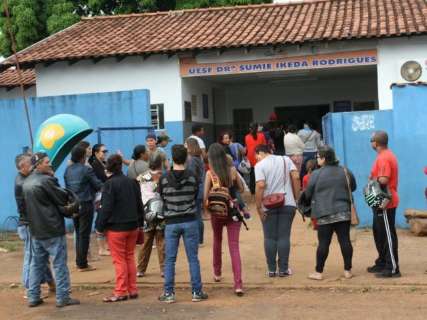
(190, 233)
(24, 235)
(277, 237)
(199, 212)
(41, 250)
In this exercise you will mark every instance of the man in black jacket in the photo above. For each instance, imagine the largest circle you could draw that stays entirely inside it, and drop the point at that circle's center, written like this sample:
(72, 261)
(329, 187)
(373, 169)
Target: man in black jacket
(23, 164)
(81, 179)
(44, 199)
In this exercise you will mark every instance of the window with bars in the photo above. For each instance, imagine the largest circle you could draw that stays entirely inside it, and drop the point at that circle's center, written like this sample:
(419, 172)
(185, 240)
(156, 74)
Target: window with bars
(157, 116)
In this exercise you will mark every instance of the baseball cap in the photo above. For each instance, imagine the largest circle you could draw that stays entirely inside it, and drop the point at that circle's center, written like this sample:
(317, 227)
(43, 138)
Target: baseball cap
(37, 157)
(163, 138)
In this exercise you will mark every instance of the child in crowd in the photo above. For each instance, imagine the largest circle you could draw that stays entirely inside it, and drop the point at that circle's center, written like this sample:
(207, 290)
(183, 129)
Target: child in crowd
(310, 166)
(153, 222)
(178, 190)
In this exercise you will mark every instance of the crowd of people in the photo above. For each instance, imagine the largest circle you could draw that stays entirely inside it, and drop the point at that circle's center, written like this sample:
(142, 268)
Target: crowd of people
(156, 201)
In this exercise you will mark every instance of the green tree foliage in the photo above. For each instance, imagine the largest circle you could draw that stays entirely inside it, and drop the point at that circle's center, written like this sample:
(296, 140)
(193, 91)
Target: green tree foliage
(33, 20)
(26, 23)
(191, 4)
(60, 15)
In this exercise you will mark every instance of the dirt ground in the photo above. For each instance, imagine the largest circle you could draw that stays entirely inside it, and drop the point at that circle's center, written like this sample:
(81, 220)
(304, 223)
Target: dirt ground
(295, 297)
(322, 304)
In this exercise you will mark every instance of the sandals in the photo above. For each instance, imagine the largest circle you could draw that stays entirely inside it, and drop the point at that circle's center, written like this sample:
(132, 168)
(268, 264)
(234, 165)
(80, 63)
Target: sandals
(115, 299)
(217, 278)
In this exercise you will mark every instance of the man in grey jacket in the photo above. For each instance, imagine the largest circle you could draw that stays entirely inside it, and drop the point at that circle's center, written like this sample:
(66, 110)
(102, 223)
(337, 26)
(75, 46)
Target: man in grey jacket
(23, 164)
(44, 199)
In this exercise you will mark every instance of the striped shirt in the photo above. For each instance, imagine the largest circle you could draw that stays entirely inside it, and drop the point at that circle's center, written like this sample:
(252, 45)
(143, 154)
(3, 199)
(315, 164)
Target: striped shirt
(178, 190)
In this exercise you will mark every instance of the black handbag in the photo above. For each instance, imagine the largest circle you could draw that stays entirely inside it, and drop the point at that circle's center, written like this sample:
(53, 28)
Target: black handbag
(72, 208)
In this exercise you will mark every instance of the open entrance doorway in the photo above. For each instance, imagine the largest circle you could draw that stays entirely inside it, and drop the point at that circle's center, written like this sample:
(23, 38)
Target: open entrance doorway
(286, 97)
(299, 114)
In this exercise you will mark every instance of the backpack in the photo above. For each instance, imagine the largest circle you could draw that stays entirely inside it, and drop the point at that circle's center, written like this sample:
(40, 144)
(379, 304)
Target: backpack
(153, 209)
(218, 198)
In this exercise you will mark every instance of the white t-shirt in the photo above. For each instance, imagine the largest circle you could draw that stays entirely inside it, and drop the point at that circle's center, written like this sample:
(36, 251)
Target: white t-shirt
(271, 170)
(293, 144)
(199, 141)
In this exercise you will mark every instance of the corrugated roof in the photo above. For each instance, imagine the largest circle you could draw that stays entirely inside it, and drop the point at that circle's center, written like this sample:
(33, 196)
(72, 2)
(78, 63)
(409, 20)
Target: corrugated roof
(229, 27)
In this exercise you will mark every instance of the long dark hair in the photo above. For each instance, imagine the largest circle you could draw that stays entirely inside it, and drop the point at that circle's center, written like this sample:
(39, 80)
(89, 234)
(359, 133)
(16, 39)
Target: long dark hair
(96, 147)
(219, 164)
(225, 133)
(253, 128)
(137, 151)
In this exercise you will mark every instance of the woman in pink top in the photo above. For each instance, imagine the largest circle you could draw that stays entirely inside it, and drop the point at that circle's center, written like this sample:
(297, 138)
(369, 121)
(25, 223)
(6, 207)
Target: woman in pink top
(252, 139)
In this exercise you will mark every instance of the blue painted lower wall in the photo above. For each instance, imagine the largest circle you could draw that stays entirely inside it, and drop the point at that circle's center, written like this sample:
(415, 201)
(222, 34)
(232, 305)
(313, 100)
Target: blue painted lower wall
(349, 133)
(112, 109)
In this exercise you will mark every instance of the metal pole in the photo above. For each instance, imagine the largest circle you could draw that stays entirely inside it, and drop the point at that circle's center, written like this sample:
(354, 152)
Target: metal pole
(18, 70)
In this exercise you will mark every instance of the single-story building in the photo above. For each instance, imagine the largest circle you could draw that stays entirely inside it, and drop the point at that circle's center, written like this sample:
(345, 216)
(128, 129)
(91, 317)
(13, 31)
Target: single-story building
(226, 67)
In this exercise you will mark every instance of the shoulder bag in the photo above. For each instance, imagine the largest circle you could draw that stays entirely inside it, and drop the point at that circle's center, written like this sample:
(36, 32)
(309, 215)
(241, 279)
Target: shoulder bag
(354, 216)
(308, 138)
(276, 200)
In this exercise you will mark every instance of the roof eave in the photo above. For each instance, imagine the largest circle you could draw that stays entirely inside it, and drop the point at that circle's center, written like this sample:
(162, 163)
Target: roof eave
(32, 63)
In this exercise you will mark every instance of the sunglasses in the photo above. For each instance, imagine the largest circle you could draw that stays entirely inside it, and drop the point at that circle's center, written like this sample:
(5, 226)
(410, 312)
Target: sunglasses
(372, 140)
(104, 151)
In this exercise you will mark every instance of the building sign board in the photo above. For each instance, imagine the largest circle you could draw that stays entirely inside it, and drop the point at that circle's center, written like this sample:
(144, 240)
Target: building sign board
(189, 67)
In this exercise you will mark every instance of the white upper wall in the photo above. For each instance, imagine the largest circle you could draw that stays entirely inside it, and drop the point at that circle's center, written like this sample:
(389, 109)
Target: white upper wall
(158, 74)
(392, 53)
(161, 76)
(198, 88)
(15, 93)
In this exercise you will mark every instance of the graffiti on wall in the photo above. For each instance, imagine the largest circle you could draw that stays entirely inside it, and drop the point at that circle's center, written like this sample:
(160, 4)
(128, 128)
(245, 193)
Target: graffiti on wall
(363, 122)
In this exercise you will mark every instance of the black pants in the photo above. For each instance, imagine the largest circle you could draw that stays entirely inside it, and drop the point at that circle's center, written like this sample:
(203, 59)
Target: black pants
(83, 228)
(324, 234)
(252, 180)
(385, 237)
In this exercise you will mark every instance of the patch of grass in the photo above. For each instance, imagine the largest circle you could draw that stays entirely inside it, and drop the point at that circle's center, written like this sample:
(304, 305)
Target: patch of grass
(11, 246)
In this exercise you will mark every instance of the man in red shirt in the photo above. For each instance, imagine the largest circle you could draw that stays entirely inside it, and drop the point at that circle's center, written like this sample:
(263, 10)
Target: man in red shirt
(385, 171)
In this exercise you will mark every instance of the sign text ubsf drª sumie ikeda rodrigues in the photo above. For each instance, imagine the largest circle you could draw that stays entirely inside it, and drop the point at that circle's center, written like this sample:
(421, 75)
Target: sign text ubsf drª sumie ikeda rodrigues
(345, 59)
